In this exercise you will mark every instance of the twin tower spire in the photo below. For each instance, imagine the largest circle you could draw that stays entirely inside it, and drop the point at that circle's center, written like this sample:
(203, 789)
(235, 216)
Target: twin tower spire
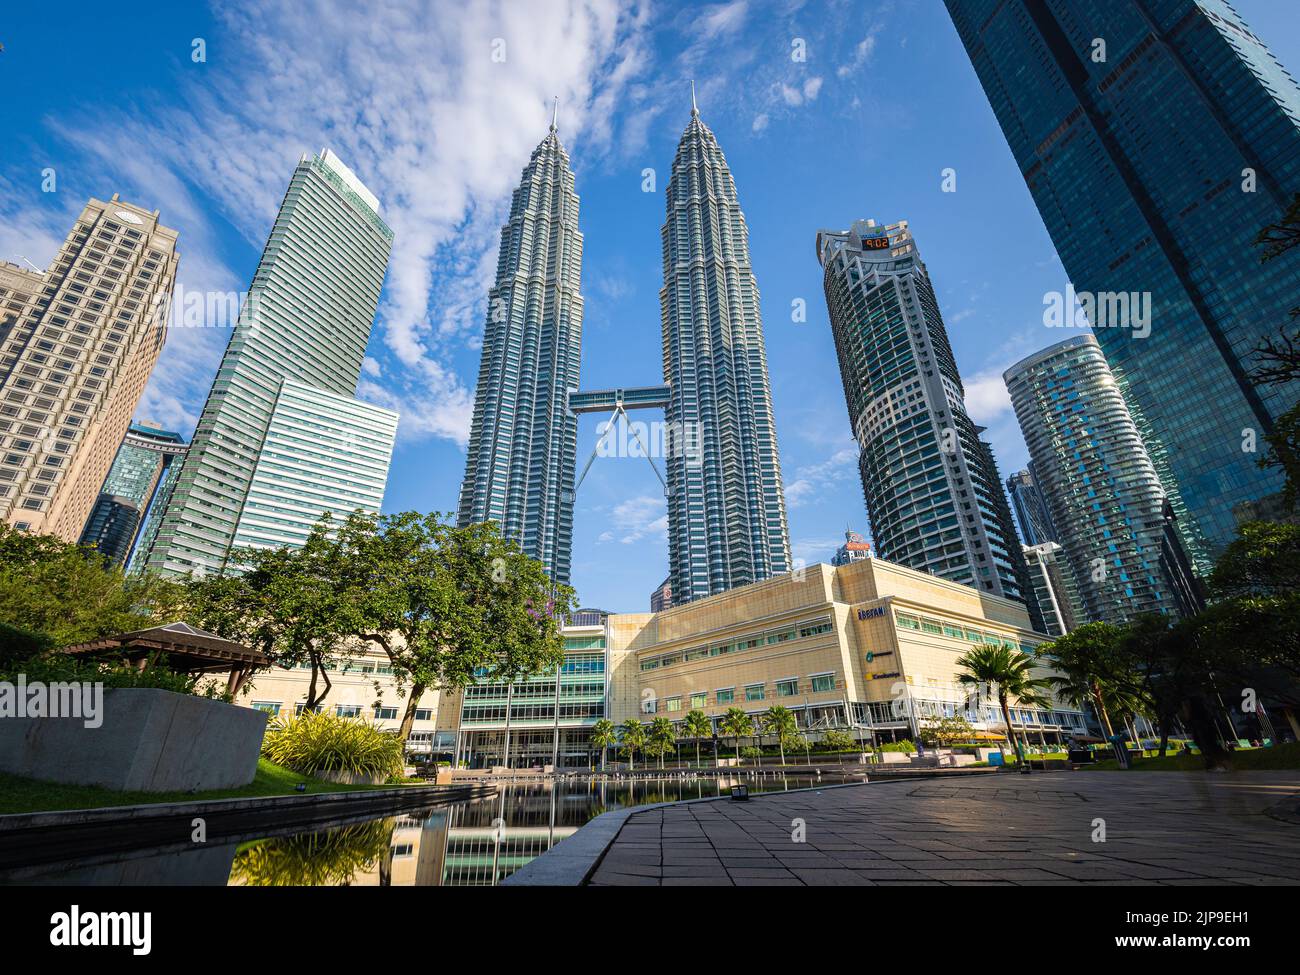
(726, 507)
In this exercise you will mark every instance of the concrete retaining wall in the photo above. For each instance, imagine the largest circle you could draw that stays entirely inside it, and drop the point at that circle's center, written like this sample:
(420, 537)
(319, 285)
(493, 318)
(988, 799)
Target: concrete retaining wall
(150, 741)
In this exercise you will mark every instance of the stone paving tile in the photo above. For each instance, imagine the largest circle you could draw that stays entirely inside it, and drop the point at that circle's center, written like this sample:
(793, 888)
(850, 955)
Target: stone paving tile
(1163, 828)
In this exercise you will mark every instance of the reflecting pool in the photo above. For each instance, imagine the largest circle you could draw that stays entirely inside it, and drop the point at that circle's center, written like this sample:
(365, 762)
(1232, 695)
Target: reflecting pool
(472, 843)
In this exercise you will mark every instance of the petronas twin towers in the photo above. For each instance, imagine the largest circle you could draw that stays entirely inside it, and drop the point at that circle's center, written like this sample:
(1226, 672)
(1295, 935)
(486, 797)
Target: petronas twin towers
(523, 441)
(726, 509)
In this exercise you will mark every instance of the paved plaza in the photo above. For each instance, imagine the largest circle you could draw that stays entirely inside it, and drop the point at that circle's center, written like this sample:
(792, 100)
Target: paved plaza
(1046, 828)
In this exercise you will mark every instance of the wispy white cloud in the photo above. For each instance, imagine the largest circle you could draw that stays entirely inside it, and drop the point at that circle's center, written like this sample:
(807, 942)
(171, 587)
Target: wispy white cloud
(812, 480)
(644, 516)
(986, 396)
(862, 54)
(436, 107)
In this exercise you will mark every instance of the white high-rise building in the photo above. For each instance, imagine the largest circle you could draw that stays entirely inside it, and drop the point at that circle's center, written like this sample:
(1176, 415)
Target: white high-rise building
(322, 453)
(306, 319)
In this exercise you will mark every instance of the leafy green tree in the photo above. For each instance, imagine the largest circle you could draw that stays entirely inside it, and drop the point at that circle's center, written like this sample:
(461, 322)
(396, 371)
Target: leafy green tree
(696, 725)
(69, 594)
(779, 721)
(1009, 674)
(1249, 636)
(604, 736)
(661, 738)
(1262, 561)
(1278, 364)
(632, 738)
(1090, 669)
(736, 724)
(448, 604)
(1278, 238)
(288, 603)
(838, 740)
(17, 644)
(947, 731)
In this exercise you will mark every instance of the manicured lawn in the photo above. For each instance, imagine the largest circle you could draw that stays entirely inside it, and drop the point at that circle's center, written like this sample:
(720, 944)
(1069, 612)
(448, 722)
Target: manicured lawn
(19, 795)
(1256, 759)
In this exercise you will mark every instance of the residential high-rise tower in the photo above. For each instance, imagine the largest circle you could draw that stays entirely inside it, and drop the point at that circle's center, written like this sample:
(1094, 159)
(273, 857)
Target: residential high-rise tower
(1105, 498)
(934, 497)
(1053, 589)
(77, 344)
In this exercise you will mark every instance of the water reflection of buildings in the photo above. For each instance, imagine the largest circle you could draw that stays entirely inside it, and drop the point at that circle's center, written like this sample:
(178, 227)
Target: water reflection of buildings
(479, 844)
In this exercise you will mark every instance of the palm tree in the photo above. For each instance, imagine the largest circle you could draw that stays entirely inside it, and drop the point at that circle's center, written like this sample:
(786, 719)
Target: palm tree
(1011, 673)
(633, 737)
(779, 720)
(1087, 661)
(604, 735)
(696, 725)
(736, 724)
(662, 737)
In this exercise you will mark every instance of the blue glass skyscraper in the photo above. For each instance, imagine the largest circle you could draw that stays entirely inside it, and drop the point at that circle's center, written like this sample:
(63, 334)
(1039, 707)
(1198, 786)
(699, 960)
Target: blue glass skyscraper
(142, 471)
(1158, 137)
(1030, 508)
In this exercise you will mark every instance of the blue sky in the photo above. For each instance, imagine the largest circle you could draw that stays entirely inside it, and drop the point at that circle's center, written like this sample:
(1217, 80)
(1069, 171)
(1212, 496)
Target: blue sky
(409, 95)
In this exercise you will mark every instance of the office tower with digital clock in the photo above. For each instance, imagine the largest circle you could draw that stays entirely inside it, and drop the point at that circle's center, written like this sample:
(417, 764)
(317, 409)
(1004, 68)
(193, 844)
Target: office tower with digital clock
(934, 497)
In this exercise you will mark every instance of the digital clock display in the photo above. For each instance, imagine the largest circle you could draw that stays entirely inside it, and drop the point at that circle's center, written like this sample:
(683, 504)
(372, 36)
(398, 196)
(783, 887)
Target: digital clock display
(875, 243)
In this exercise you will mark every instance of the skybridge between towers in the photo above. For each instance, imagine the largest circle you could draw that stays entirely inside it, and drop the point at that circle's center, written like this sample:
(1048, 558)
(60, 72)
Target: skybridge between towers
(616, 402)
(619, 400)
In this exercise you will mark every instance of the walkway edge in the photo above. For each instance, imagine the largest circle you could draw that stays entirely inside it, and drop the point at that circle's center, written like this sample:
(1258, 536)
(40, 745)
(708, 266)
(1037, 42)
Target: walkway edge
(31, 839)
(151, 810)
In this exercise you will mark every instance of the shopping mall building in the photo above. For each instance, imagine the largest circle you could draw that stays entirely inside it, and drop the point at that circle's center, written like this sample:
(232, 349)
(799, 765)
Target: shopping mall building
(870, 647)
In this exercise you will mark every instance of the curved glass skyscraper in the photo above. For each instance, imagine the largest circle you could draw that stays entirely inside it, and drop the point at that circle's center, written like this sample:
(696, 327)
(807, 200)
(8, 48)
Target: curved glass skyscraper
(519, 469)
(1101, 488)
(726, 508)
(933, 494)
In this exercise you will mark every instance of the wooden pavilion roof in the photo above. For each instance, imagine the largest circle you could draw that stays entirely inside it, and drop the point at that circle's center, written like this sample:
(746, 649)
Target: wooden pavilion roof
(187, 648)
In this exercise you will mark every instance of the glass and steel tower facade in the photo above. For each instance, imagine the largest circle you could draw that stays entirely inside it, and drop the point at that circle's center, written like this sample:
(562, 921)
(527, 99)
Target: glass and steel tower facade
(322, 453)
(726, 506)
(1105, 498)
(519, 471)
(1030, 508)
(934, 497)
(142, 471)
(1157, 138)
(307, 318)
